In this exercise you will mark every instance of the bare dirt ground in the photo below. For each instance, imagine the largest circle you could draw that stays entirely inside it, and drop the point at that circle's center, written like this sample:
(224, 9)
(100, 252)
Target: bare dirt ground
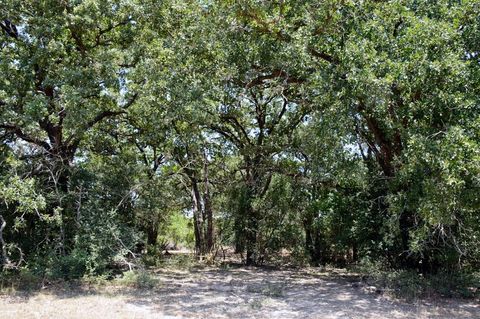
(232, 293)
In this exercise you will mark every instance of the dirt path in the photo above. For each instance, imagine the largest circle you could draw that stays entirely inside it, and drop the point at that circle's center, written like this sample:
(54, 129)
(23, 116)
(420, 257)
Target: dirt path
(237, 293)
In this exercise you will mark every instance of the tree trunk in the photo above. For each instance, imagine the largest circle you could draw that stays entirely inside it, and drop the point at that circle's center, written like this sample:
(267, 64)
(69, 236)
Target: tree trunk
(251, 240)
(61, 178)
(209, 216)
(207, 206)
(310, 245)
(251, 232)
(3, 248)
(354, 253)
(406, 223)
(197, 219)
(152, 234)
(254, 190)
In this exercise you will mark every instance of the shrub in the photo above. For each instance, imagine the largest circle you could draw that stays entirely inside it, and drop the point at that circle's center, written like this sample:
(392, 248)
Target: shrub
(22, 279)
(410, 285)
(138, 279)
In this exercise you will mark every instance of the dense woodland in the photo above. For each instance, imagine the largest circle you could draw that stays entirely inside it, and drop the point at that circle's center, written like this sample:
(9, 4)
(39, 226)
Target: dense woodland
(338, 132)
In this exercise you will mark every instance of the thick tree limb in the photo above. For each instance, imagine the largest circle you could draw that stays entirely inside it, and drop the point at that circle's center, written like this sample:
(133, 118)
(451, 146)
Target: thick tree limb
(101, 116)
(105, 114)
(101, 32)
(74, 140)
(157, 161)
(386, 154)
(142, 151)
(27, 138)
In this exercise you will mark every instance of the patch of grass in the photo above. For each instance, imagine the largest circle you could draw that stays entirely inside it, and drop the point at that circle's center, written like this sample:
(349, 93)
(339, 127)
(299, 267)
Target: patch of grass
(225, 266)
(99, 280)
(176, 261)
(141, 279)
(457, 284)
(267, 289)
(19, 280)
(256, 304)
(410, 285)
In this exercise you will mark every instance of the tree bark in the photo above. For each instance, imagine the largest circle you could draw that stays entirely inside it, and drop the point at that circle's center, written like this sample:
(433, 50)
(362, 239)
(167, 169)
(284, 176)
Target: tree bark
(197, 218)
(3, 248)
(312, 241)
(251, 239)
(201, 207)
(152, 234)
(251, 225)
(388, 149)
(207, 206)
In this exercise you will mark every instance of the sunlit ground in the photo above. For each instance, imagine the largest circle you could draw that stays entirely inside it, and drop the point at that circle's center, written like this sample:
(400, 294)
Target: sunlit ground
(229, 293)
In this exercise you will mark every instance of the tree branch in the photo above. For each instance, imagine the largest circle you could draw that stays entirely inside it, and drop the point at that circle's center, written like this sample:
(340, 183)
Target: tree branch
(324, 56)
(9, 28)
(273, 75)
(11, 128)
(227, 134)
(105, 114)
(236, 125)
(277, 120)
(101, 116)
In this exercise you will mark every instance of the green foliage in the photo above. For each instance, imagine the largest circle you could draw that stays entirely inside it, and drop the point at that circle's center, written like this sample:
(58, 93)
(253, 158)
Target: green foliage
(411, 286)
(177, 230)
(327, 132)
(70, 267)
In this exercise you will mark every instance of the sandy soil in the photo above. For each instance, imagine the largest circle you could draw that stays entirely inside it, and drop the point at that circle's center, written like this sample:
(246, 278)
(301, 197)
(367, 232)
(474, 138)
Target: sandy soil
(235, 293)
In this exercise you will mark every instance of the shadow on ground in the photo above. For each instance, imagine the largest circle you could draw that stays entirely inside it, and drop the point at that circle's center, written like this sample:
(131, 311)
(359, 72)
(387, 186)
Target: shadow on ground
(233, 293)
(258, 293)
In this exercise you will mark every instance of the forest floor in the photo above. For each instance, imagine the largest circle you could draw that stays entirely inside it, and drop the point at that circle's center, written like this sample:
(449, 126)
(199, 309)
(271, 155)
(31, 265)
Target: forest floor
(230, 293)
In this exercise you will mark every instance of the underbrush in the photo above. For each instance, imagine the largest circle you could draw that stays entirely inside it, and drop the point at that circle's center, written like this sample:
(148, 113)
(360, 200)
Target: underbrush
(411, 285)
(140, 279)
(70, 272)
(19, 280)
(25, 281)
(178, 261)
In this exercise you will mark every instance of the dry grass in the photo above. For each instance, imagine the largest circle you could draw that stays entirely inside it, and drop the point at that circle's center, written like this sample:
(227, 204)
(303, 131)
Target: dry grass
(228, 293)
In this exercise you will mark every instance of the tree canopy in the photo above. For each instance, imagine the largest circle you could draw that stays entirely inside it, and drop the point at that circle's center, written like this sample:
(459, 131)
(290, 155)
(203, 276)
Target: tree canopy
(335, 130)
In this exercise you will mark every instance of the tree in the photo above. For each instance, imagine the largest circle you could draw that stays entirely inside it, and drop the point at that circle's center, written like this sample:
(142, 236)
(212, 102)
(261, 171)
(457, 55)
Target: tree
(404, 77)
(336, 130)
(67, 67)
